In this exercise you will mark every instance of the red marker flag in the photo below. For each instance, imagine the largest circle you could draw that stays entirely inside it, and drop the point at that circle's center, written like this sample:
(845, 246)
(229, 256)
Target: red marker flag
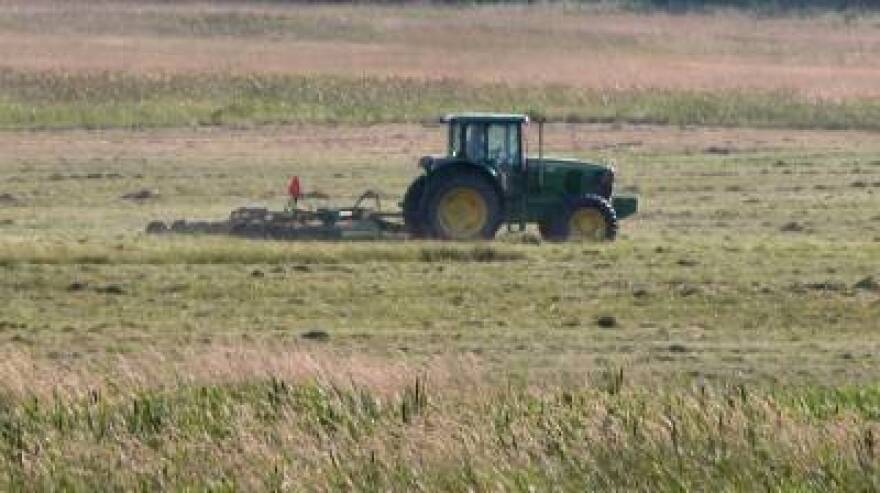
(293, 188)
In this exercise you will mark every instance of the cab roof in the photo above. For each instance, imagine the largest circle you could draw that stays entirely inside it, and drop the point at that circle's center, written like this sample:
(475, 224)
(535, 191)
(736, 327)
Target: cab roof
(476, 117)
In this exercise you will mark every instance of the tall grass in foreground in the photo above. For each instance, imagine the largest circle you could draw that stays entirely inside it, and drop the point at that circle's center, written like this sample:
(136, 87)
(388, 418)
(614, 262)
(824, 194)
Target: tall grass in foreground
(301, 421)
(108, 99)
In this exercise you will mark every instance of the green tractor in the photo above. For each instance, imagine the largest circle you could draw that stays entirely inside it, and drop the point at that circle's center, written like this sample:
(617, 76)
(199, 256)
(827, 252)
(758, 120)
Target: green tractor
(486, 179)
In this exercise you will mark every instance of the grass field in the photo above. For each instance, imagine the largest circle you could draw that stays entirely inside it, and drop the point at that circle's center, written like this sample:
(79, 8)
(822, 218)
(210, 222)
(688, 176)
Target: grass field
(727, 341)
(753, 264)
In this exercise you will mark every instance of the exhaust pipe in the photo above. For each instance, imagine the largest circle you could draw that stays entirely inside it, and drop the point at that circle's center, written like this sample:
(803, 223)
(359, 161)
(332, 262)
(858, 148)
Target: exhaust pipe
(541, 152)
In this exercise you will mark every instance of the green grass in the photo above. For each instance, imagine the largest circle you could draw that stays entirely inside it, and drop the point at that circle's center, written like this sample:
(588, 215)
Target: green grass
(824, 402)
(705, 279)
(34, 100)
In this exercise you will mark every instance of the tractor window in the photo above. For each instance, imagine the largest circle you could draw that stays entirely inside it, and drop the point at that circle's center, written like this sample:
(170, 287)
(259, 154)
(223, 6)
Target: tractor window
(504, 144)
(455, 148)
(498, 143)
(513, 143)
(475, 137)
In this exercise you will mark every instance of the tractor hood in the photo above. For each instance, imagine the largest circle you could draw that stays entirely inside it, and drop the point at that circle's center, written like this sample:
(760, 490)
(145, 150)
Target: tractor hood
(572, 176)
(554, 163)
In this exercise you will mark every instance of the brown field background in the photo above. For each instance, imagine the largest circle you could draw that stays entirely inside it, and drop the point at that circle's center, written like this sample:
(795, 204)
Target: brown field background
(829, 57)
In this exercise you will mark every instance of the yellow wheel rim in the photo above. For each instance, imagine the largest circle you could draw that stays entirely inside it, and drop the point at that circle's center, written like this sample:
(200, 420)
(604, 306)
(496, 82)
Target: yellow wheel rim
(462, 213)
(587, 224)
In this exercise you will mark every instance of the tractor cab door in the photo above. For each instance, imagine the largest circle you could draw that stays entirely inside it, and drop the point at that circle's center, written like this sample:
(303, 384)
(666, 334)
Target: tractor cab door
(505, 153)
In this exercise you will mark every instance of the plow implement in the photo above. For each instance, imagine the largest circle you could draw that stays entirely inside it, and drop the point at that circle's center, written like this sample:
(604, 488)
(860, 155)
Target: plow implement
(363, 220)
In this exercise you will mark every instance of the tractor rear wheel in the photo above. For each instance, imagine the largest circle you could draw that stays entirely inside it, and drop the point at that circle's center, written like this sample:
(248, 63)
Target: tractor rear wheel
(413, 216)
(463, 206)
(589, 218)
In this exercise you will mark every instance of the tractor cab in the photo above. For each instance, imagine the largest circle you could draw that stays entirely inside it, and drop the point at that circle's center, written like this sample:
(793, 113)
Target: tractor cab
(488, 139)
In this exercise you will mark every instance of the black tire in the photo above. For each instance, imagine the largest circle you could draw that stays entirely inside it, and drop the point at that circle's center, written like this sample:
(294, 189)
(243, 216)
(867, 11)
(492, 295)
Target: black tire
(558, 228)
(413, 215)
(445, 184)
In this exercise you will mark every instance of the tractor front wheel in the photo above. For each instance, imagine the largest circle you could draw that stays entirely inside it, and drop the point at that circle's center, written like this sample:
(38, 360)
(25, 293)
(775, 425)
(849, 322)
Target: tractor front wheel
(463, 206)
(589, 218)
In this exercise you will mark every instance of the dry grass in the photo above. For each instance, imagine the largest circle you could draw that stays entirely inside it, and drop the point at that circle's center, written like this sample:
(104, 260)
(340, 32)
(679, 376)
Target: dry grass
(395, 143)
(587, 48)
(26, 375)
